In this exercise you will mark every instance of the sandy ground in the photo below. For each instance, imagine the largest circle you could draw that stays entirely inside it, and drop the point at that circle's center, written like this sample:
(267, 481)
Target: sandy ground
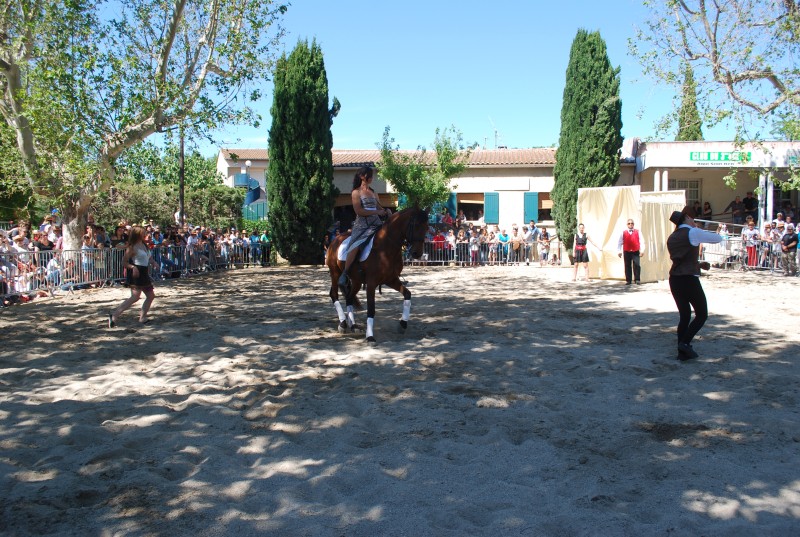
(517, 403)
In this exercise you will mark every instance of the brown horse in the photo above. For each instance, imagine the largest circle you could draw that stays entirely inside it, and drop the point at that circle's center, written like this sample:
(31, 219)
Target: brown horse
(382, 267)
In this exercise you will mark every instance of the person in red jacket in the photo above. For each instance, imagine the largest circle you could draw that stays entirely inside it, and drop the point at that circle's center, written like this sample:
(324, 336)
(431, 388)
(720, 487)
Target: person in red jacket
(631, 247)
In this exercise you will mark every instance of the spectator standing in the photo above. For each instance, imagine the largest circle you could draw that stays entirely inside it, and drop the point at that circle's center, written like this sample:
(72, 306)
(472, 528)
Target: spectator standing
(684, 278)
(750, 206)
(255, 247)
(502, 246)
(708, 214)
(263, 239)
(491, 242)
(534, 253)
(462, 247)
(529, 244)
(750, 238)
(450, 245)
(137, 262)
(516, 246)
(474, 247)
(736, 208)
(544, 246)
(789, 251)
(630, 247)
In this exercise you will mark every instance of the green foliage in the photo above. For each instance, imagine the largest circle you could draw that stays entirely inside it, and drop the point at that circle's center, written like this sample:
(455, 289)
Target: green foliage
(690, 127)
(146, 162)
(300, 185)
(422, 179)
(84, 81)
(591, 124)
(215, 206)
(743, 55)
(15, 193)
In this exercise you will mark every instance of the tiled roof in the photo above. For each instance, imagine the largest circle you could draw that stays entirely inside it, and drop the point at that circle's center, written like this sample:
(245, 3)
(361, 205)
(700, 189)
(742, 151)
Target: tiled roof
(353, 158)
(245, 154)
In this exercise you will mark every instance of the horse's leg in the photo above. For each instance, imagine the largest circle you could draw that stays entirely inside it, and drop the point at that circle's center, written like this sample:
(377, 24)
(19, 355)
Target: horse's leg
(398, 286)
(338, 306)
(370, 312)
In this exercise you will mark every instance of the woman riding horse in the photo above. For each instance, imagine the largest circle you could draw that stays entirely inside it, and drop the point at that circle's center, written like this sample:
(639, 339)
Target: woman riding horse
(383, 266)
(368, 212)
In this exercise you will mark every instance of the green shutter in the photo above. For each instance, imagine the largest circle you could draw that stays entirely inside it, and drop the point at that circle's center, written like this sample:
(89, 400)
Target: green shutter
(491, 208)
(531, 207)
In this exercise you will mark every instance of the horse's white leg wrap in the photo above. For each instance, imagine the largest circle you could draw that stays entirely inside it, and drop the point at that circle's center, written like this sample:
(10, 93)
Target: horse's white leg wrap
(351, 316)
(339, 310)
(406, 309)
(370, 322)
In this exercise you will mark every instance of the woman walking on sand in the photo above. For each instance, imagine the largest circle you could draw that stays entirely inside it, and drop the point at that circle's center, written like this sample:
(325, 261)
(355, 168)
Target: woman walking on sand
(137, 262)
(581, 254)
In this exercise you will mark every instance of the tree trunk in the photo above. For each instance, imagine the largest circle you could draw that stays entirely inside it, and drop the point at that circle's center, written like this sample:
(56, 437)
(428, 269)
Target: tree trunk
(74, 217)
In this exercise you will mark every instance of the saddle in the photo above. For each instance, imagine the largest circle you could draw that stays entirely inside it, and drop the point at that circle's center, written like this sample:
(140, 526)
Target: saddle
(366, 248)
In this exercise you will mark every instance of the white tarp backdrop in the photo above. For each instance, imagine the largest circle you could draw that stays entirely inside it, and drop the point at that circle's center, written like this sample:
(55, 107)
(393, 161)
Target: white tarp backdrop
(604, 212)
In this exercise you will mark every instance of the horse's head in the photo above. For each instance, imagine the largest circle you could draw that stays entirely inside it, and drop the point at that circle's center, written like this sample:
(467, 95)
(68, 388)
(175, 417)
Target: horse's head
(416, 229)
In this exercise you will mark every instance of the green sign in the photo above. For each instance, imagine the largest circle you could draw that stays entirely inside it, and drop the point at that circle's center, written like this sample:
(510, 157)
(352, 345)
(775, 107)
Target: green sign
(720, 156)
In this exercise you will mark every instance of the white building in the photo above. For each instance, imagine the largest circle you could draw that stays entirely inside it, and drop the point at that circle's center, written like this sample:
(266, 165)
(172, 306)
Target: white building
(513, 185)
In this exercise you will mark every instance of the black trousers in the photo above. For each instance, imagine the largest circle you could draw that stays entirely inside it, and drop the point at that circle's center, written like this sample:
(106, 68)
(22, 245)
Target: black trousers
(633, 267)
(688, 294)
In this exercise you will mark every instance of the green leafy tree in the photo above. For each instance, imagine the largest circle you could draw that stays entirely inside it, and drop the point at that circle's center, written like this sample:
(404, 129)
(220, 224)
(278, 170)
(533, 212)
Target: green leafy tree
(15, 193)
(743, 55)
(83, 81)
(744, 59)
(300, 185)
(146, 162)
(690, 126)
(591, 124)
(214, 206)
(420, 178)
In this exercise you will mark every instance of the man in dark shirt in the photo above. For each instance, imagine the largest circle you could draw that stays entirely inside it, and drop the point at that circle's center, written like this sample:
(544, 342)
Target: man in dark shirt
(736, 207)
(789, 247)
(750, 206)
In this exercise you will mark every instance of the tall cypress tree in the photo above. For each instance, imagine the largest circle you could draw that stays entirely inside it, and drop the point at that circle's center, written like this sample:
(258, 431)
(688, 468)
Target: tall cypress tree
(300, 188)
(591, 130)
(689, 124)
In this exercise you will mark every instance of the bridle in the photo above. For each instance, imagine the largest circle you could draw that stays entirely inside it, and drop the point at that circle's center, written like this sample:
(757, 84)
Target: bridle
(407, 238)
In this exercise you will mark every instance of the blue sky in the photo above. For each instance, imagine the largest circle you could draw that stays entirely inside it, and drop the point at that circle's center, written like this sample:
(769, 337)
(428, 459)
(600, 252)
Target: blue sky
(494, 70)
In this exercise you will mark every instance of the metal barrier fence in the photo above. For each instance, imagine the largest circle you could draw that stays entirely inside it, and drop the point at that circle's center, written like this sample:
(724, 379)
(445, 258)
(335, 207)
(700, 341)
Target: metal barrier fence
(465, 254)
(24, 275)
(733, 254)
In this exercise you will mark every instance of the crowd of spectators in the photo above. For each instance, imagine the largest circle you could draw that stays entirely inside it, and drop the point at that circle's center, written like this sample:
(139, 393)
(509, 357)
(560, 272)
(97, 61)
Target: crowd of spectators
(774, 247)
(471, 244)
(33, 262)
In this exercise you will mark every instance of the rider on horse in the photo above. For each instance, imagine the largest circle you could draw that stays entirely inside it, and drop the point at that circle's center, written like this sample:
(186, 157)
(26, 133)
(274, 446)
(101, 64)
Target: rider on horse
(368, 212)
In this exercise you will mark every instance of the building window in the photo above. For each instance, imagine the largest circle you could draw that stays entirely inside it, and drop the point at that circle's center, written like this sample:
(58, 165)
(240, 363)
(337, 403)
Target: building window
(691, 186)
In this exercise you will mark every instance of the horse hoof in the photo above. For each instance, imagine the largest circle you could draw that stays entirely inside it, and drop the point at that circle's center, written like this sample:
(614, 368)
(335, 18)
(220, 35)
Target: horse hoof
(354, 328)
(371, 339)
(403, 324)
(342, 327)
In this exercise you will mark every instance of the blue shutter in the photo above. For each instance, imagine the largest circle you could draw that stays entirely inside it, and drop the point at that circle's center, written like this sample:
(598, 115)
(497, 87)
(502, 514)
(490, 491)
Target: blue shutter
(240, 179)
(531, 204)
(491, 208)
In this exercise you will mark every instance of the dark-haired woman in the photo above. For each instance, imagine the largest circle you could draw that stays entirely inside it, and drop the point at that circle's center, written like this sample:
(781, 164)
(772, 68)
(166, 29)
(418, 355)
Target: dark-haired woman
(368, 220)
(684, 277)
(137, 262)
